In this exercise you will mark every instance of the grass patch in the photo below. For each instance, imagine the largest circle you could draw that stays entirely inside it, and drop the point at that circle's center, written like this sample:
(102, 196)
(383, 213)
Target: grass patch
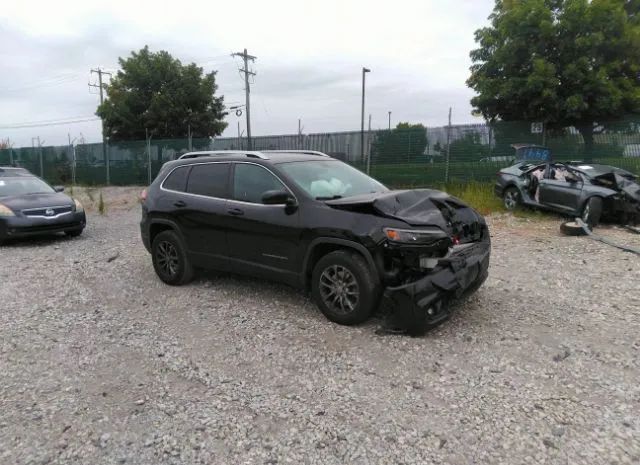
(102, 208)
(478, 195)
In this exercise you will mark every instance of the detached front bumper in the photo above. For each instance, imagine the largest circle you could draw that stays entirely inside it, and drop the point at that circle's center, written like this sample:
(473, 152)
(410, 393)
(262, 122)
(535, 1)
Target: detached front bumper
(20, 226)
(424, 303)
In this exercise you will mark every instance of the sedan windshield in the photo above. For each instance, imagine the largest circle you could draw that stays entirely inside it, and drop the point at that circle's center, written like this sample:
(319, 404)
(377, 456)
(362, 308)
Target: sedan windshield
(10, 187)
(330, 179)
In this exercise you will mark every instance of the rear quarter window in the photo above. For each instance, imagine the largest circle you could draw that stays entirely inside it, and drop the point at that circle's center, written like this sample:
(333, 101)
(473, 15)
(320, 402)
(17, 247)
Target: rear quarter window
(177, 179)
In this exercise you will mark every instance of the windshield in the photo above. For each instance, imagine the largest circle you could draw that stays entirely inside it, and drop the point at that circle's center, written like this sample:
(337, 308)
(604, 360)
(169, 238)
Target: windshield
(10, 187)
(330, 179)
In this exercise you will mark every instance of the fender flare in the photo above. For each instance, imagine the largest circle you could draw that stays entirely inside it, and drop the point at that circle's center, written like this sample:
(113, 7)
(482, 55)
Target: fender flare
(174, 226)
(341, 242)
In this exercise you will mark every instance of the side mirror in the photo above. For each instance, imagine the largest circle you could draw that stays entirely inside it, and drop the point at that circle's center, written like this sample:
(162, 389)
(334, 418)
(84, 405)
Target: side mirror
(58, 188)
(278, 198)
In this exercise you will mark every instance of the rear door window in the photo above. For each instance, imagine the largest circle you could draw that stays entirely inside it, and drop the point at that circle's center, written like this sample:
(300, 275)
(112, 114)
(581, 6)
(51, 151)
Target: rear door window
(177, 180)
(211, 179)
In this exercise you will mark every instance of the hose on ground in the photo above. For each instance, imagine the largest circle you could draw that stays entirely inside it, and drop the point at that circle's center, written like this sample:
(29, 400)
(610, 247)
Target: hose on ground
(604, 240)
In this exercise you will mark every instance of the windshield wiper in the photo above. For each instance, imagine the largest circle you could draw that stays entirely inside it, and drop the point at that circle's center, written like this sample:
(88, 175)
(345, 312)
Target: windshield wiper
(333, 197)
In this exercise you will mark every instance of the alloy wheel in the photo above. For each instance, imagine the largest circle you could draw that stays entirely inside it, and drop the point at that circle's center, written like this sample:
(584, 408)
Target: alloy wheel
(585, 213)
(167, 258)
(339, 289)
(511, 199)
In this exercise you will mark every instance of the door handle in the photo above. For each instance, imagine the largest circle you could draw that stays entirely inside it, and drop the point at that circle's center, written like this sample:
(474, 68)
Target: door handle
(179, 204)
(235, 212)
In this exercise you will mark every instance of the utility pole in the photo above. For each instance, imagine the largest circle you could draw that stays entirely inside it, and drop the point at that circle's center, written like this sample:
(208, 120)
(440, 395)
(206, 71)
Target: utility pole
(300, 128)
(146, 136)
(239, 137)
(246, 57)
(33, 148)
(389, 121)
(369, 146)
(72, 149)
(446, 170)
(99, 72)
(364, 71)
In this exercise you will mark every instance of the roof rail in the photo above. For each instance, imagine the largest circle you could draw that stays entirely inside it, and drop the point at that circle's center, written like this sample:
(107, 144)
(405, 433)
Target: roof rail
(306, 152)
(250, 154)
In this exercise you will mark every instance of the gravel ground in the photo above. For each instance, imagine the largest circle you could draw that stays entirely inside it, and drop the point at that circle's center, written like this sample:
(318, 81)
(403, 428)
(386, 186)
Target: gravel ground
(101, 363)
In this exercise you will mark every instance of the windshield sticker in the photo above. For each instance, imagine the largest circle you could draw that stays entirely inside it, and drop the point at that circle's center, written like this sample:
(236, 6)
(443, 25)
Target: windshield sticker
(585, 167)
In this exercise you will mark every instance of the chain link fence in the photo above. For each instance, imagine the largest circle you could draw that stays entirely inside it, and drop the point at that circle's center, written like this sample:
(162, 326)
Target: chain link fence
(408, 156)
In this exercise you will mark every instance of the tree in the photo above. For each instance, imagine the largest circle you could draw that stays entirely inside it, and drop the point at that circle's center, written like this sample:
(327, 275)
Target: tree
(406, 142)
(562, 62)
(156, 92)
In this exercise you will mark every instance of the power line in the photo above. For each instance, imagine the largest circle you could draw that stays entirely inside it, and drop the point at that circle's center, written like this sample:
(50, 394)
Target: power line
(37, 124)
(246, 57)
(41, 84)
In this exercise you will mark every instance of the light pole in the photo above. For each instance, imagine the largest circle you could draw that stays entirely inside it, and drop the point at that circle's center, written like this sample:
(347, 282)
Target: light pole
(364, 72)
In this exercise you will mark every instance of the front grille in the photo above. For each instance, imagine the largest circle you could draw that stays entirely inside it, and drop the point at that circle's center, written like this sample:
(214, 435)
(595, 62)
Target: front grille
(45, 228)
(47, 212)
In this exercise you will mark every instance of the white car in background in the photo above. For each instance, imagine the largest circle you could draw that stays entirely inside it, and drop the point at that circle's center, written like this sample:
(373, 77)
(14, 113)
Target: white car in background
(631, 151)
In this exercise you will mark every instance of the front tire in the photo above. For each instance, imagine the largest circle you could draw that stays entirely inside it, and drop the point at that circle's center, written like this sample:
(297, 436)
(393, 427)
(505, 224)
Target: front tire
(170, 259)
(74, 233)
(511, 198)
(592, 212)
(344, 287)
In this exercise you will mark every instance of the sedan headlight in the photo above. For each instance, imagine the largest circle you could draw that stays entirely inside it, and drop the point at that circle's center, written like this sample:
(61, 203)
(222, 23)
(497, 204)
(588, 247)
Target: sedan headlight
(414, 236)
(79, 207)
(6, 211)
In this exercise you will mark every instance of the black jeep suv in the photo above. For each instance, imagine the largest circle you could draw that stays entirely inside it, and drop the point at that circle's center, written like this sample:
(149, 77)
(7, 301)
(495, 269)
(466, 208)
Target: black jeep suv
(314, 222)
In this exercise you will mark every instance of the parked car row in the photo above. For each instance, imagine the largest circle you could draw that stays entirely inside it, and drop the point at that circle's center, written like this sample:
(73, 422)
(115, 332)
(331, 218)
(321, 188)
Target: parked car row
(316, 223)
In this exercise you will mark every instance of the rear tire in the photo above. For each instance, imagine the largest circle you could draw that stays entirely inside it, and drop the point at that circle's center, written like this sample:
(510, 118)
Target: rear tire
(170, 259)
(592, 212)
(344, 287)
(511, 198)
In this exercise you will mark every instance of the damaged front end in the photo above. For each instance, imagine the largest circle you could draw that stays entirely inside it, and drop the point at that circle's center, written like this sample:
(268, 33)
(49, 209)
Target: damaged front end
(624, 207)
(425, 299)
(441, 259)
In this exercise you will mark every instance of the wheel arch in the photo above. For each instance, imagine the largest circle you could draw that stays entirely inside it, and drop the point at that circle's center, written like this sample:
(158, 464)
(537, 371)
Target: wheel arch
(600, 195)
(511, 184)
(158, 225)
(321, 246)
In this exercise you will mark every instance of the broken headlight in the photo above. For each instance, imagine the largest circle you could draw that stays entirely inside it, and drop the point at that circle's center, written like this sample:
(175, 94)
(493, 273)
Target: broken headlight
(414, 236)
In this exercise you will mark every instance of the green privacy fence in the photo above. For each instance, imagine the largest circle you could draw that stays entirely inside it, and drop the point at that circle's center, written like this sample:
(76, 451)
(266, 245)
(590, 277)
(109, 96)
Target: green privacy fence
(129, 163)
(406, 156)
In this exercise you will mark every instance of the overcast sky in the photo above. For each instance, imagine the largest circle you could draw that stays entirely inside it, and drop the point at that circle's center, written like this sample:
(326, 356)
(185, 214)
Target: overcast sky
(310, 54)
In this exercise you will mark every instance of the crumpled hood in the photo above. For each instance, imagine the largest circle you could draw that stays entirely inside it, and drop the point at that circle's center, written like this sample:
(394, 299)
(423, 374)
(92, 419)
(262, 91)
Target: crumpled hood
(418, 207)
(629, 187)
(28, 201)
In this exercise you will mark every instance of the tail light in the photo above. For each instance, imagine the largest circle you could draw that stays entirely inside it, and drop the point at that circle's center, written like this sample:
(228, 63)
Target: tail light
(455, 240)
(143, 196)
